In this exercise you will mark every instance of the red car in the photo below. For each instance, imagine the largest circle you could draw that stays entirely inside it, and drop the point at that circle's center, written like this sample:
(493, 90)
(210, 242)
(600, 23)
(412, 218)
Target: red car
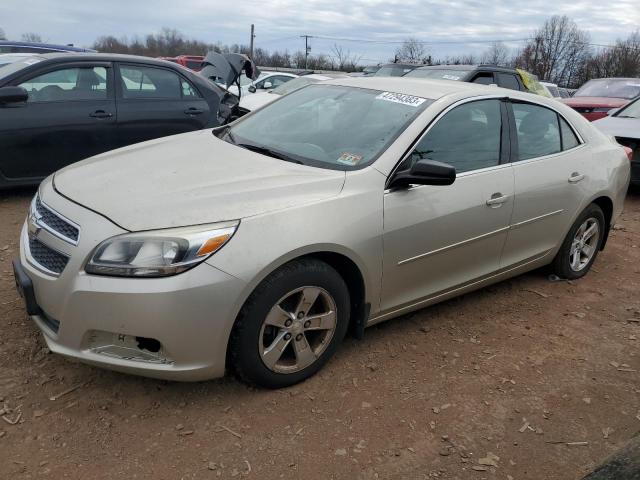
(596, 97)
(192, 62)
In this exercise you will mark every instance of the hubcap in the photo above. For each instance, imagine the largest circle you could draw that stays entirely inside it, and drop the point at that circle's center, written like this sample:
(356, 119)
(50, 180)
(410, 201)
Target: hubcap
(584, 245)
(297, 329)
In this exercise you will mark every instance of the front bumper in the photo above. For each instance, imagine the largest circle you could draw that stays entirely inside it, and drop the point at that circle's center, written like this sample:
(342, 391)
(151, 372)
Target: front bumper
(101, 320)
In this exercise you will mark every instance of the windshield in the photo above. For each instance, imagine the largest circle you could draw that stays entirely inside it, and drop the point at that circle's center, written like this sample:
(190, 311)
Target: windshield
(610, 87)
(632, 110)
(293, 85)
(444, 74)
(10, 68)
(553, 90)
(329, 126)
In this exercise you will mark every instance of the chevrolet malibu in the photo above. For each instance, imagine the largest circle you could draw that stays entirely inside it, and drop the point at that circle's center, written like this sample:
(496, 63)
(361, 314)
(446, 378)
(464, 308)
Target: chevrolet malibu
(255, 247)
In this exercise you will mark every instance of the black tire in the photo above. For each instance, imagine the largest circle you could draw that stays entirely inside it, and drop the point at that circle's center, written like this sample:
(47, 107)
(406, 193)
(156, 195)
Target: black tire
(244, 357)
(561, 264)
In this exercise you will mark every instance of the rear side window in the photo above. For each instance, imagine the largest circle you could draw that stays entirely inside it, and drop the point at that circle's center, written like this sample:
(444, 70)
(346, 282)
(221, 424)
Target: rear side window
(484, 79)
(569, 139)
(467, 138)
(68, 84)
(149, 82)
(507, 80)
(537, 130)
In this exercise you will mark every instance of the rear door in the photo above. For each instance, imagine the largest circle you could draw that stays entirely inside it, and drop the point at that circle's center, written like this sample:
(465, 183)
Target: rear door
(549, 167)
(70, 115)
(156, 102)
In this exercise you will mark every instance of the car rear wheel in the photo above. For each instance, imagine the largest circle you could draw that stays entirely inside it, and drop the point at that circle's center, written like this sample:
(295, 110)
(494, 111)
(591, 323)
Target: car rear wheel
(291, 325)
(581, 245)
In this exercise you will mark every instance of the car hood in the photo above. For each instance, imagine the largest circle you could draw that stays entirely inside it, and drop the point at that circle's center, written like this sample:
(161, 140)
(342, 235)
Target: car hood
(620, 127)
(189, 179)
(257, 100)
(601, 102)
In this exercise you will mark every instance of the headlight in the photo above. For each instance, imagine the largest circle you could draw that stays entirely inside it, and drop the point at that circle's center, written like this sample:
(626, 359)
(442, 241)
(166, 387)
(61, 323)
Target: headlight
(159, 253)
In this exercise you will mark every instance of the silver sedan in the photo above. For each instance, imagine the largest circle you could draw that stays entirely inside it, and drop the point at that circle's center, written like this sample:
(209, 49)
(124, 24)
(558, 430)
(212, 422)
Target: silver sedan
(257, 246)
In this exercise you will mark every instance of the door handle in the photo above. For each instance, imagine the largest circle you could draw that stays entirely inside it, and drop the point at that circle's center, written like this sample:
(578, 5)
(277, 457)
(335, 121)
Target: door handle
(576, 177)
(193, 111)
(497, 199)
(100, 114)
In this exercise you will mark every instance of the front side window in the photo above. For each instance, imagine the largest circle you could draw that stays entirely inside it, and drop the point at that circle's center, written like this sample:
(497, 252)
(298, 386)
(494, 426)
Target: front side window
(467, 138)
(329, 126)
(148, 82)
(188, 91)
(68, 84)
(537, 130)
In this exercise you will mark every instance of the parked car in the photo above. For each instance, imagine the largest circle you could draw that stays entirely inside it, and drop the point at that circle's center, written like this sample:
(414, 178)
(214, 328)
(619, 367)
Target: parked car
(58, 108)
(596, 97)
(370, 70)
(256, 246)
(394, 69)
(511, 78)
(624, 125)
(192, 62)
(266, 81)
(7, 46)
(252, 102)
(555, 91)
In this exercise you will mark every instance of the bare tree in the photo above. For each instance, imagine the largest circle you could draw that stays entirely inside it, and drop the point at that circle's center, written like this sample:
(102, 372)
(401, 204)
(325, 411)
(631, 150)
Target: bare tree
(497, 54)
(344, 60)
(556, 52)
(412, 51)
(2, 35)
(31, 37)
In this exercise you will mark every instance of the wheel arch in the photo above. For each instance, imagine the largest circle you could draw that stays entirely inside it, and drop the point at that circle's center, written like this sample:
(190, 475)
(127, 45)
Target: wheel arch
(606, 205)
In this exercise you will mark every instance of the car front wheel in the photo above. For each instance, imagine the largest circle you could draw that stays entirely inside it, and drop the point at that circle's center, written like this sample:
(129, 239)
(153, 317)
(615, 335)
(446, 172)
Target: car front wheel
(581, 245)
(291, 324)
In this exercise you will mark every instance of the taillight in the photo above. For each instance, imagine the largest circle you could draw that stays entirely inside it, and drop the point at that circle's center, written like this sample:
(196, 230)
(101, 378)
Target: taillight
(629, 152)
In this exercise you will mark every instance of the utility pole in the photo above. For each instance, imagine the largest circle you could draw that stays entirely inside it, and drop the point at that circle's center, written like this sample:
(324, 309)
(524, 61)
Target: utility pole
(307, 49)
(251, 42)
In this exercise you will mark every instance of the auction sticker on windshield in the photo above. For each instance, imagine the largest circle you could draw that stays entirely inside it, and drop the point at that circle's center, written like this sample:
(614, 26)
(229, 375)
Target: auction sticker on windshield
(409, 100)
(350, 159)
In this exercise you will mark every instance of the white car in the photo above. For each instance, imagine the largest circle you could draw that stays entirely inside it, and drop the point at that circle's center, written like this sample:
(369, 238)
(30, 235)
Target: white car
(266, 81)
(259, 99)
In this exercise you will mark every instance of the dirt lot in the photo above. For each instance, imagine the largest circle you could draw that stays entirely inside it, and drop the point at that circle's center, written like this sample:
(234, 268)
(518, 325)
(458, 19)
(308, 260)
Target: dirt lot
(491, 385)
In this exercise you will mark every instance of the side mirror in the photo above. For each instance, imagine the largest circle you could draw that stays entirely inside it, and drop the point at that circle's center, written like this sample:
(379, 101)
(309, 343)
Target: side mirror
(252, 88)
(13, 95)
(425, 172)
(267, 85)
(612, 112)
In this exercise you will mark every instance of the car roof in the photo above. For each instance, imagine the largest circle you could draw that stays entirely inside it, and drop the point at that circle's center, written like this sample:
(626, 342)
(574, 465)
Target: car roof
(102, 57)
(493, 68)
(44, 46)
(419, 87)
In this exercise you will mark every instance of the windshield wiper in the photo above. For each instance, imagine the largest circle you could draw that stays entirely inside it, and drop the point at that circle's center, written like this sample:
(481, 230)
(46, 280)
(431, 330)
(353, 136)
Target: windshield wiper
(269, 152)
(625, 116)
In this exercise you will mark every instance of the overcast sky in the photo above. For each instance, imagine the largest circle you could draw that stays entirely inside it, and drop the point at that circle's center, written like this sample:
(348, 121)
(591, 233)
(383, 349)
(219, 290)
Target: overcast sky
(279, 23)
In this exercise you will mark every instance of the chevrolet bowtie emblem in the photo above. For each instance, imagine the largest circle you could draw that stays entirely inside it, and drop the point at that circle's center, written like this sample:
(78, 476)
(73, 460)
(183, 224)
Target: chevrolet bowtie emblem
(34, 224)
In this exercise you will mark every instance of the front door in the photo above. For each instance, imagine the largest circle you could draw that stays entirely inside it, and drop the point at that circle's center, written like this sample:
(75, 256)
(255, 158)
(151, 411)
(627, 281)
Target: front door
(440, 237)
(156, 102)
(70, 115)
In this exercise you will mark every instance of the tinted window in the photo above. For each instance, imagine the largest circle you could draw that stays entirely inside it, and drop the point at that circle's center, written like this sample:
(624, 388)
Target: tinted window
(569, 139)
(538, 132)
(468, 137)
(68, 84)
(507, 80)
(484, 79)
(149, 82)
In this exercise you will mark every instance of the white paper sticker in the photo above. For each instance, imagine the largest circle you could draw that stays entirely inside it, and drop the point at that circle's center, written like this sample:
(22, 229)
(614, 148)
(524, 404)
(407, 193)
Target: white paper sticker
(450, 77)
(409, 100)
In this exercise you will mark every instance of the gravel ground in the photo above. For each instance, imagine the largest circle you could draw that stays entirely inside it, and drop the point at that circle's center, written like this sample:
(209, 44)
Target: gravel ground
(527, 379)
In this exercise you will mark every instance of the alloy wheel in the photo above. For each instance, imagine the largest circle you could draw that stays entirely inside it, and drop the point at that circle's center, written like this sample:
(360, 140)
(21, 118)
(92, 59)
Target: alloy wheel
(297, 329)
(584, 244)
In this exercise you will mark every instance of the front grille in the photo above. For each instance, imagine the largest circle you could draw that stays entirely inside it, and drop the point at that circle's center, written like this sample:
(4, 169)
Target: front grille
(55, 222)
(47, 257)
